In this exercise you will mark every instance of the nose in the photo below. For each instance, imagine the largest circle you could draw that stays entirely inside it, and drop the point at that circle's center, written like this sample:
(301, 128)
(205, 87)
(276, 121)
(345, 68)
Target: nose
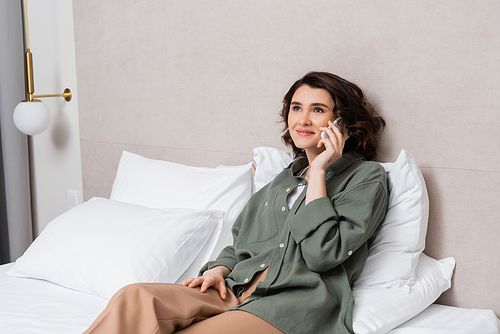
(304, 119)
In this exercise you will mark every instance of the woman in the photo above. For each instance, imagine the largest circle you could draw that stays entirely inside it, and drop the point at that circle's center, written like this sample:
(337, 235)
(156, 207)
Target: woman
(299, 243)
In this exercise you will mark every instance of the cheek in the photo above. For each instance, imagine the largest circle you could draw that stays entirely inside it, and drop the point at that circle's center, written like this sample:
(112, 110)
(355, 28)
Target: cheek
(322, 121)
(291, 121)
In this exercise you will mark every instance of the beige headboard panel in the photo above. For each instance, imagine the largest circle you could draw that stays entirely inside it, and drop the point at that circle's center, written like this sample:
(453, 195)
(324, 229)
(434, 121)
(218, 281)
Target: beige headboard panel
(201, 83)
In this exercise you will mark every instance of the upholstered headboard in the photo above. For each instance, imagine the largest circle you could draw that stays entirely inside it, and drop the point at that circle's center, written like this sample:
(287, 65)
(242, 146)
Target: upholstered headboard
(201, 83)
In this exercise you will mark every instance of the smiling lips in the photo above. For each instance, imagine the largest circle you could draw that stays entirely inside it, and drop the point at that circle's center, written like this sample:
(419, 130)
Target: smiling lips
(304, 132)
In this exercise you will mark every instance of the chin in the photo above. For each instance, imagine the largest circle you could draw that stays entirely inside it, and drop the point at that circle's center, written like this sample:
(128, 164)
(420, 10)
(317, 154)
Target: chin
(306, 144)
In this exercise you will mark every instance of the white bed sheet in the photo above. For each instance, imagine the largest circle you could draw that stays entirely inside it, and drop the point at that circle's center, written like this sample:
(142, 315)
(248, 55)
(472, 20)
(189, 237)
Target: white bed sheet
(36, 306)
(440, 319)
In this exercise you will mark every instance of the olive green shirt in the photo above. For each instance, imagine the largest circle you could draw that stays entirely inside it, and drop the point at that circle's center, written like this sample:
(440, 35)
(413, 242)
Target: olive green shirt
(313, 252)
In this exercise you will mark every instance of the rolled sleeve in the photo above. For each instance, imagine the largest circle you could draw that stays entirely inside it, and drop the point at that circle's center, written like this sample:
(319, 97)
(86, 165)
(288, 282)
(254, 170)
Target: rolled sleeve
(329, 231)
(310, 217)
(227, 258)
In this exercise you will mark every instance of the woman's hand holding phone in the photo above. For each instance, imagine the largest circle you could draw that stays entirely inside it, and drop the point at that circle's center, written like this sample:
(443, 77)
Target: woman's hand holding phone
(333, 140)
(324, 135)
(334, 145)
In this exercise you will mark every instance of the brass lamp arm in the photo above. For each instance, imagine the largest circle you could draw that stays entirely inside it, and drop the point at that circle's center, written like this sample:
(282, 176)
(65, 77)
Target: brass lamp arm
(28, 59)
(67, 95)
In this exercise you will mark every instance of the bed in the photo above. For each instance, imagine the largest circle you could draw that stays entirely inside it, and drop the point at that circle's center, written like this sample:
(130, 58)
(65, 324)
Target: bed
(198, 84)
(159, 228)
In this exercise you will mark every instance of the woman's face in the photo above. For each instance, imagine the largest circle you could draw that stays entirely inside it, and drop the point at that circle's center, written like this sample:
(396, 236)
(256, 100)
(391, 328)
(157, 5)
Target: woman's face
(310, 109)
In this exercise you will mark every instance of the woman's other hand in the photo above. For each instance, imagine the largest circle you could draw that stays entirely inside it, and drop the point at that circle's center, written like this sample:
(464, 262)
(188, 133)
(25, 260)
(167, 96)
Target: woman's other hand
(212, 278)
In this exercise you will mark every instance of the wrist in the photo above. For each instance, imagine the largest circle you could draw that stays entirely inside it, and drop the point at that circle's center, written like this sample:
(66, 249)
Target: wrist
(221, 270)
(316, 175)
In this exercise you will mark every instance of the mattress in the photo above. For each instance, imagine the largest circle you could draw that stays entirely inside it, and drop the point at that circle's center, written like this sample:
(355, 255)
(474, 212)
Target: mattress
(36, 306)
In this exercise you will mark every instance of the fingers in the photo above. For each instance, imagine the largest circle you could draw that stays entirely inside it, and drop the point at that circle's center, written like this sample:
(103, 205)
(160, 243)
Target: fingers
(336, 139)
(205, 285)
(334, 145)
(222, 290)
(186, 282)
(330, 130)
(193, 282)
(334, 129)
(208, 281)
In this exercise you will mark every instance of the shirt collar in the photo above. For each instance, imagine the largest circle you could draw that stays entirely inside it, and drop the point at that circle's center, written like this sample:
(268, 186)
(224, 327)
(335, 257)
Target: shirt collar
(347, 159)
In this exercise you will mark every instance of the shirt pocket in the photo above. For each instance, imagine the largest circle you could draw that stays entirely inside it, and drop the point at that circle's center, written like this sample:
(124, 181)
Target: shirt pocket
(264, 226)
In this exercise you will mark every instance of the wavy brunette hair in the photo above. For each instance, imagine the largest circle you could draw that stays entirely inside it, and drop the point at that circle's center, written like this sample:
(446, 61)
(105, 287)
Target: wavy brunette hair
(361, 121)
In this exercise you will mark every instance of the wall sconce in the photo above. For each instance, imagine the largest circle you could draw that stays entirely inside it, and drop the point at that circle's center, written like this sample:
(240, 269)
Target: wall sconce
(32, 116)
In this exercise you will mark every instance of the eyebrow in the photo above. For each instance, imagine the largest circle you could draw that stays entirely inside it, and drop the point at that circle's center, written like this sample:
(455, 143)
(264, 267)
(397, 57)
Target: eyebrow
(313, 104)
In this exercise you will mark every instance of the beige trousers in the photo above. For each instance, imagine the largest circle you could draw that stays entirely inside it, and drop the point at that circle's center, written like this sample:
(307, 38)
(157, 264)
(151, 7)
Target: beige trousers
(154, 308)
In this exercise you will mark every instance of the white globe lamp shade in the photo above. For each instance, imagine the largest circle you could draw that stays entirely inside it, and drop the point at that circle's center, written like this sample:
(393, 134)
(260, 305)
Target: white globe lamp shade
(32, 118)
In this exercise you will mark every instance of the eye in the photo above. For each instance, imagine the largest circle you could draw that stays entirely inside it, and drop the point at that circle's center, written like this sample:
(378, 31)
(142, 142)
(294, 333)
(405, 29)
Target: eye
(318, 110)
(296, 108)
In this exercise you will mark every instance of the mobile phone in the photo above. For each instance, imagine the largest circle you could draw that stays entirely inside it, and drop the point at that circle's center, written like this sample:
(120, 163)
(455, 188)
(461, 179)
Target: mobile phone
(324, 135)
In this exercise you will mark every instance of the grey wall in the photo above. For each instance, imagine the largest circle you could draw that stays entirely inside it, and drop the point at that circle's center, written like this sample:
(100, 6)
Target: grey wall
(15, 210)
(201, 83)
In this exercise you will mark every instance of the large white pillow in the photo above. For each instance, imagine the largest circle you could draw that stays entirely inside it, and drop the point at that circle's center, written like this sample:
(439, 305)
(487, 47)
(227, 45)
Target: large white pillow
(378, 310)
(268, 163)
(102, 245)
(203, 257)
(163, 184)
(394, 254)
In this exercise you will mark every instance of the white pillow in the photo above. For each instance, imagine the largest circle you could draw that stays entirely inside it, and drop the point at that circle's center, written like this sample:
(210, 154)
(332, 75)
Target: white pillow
(268, 163)
(396, 249)
(394, 254)
(102, 245)
(162, 184)
(203, 257)
(378, 310)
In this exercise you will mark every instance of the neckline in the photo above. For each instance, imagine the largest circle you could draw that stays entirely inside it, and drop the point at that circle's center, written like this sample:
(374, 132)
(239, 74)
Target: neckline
(303, 172)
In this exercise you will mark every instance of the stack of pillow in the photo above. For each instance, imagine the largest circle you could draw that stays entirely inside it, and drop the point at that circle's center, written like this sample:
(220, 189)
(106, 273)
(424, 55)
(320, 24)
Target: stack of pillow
(163, 221)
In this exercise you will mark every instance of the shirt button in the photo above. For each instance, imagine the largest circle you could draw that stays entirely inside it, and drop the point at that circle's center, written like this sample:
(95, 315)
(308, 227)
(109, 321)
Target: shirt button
(265, 204)
(349, 253)
(282, 245)
(287, 189)
(283, 209)
(262, 265)
(246, 280)
(300, 184)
